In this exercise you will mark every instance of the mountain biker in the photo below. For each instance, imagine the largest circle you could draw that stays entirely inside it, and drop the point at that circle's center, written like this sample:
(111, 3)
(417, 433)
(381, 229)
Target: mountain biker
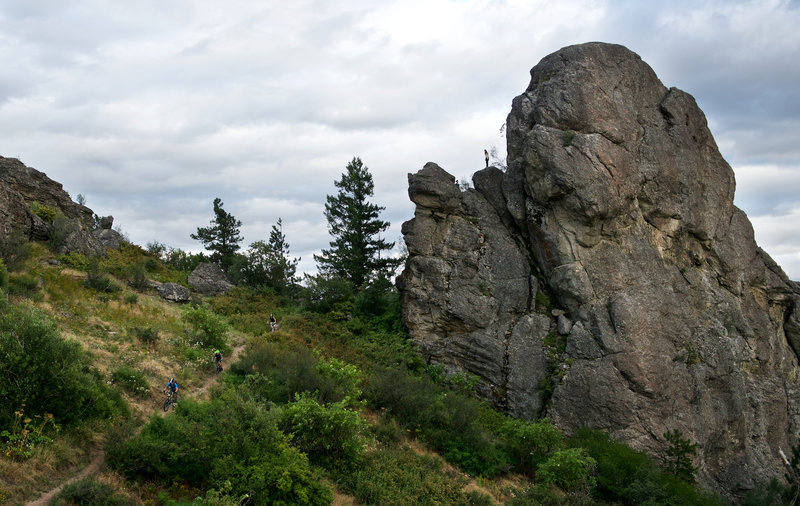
(218, 360)
(172, 386)
(272, 323)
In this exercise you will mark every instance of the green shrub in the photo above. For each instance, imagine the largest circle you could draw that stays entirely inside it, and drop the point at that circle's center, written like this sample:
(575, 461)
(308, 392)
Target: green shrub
(401, 477)
(75, 260)
(148, 336)
(138, 277)
(330, 435)
(131, 380)
(89, 491)
(626, 476)
(98, 280)
(131, 298)
(3, 277)
(570, 469)
(15, 251)
(529, 443)
(24, 285)
(679, 455)
(567, 136)
(47, 213)
(276, 373)
(47, 373)
(208, 328)
(227, 440)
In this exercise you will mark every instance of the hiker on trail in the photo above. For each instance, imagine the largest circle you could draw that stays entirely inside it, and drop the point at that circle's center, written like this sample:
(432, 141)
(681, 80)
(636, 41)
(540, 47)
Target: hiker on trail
(172, 386)
(273, 323)
(486, 157)
(218, 360)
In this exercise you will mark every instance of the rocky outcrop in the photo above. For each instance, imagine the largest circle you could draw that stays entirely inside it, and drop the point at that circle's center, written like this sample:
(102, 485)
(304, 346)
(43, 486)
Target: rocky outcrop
(22, 187)
(173, 292)
(606, 279)
(209, 279)
(107, 236)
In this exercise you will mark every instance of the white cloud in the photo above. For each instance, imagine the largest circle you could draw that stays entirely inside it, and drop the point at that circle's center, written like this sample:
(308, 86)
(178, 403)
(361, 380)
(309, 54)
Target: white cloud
(153, 109)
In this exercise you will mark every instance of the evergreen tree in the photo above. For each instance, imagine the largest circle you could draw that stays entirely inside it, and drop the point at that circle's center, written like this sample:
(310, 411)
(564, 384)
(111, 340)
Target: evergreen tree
(354, 223)
(221, 236)
(269, 263)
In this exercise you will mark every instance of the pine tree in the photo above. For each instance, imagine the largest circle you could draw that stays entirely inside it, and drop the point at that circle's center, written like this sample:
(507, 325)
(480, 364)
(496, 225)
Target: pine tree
(354, 223)
(221, 236)
(269, 263)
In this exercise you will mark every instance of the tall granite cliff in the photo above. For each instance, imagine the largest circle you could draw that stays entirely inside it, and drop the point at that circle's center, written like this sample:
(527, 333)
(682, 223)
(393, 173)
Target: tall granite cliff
(606, 279)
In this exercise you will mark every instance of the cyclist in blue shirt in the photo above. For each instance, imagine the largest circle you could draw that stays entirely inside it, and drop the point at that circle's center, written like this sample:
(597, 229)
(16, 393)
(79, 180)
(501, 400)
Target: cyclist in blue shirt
(172, 386)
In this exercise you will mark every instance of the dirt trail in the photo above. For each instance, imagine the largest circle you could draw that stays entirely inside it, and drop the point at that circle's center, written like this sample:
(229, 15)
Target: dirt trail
(98, 453)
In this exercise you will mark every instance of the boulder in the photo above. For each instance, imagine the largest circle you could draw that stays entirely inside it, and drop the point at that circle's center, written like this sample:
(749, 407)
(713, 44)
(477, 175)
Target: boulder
(209, 279)
(173, 292)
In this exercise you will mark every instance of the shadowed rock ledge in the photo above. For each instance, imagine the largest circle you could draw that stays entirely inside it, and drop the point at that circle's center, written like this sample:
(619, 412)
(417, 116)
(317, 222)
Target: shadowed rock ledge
(606, 279)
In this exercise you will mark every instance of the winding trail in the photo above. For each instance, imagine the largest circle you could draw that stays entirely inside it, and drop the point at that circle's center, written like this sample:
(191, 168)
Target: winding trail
(98, 454)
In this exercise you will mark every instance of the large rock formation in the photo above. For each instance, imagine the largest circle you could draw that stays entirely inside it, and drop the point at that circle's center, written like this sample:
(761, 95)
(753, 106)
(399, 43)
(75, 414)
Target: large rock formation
(20, 188)
(606, 279)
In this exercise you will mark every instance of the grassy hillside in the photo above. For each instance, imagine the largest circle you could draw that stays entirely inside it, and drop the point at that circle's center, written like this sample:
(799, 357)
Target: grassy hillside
(334, 407)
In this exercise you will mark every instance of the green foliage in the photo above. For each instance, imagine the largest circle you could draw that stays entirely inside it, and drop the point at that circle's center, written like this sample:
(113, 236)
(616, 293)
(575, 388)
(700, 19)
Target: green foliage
(131, 380)
(98, 280)
(208, 328)
(89, 491)
(47, 213)
(138, 275)
(268, 264)
(354, 224)
(15, 250)
(276, 373)
(176, 257)
(325, 294)
(567, 136)
(26, 434)
(75, 260)
(46, 372)
(3, 277)
(212, 444)
(448, 421)
(772, 494)
(530, 443)
(401, 477)
(328, 434)
(679, 455)
(570, 469)
(626, 476)
(221, 236)
(24, 285)
(148, 336)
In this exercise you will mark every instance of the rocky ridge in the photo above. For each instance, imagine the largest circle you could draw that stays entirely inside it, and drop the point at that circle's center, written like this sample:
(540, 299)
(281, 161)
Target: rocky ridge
(606, 279)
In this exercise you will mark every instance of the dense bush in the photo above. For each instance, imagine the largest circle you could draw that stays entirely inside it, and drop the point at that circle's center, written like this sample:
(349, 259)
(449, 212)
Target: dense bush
(99, 280)
(329, 434)
(570, 469)
(630, 477)
(401, 477)
(15, 250)
(227, 440)
(89, 491)
(47, 373)
(276, 373)
(75, 260)
(208, 328)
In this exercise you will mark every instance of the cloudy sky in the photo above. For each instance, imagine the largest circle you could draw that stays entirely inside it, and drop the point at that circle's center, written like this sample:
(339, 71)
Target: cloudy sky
(151, 109)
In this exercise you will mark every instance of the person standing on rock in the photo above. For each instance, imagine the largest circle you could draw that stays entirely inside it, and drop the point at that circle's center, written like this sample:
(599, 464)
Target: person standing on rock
(486, 157)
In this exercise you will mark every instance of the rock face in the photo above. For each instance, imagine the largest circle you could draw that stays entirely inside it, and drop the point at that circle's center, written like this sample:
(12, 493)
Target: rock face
(209, 279)
(173, 292)
(20, 188)
(606, 279)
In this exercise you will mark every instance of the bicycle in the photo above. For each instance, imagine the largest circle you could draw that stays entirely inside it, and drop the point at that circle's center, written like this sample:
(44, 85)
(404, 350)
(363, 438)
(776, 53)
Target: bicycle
(171, 398)
(218, 364)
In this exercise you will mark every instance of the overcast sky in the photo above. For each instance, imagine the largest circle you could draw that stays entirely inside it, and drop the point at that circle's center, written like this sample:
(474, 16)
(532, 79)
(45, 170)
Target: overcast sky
(151, 109)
